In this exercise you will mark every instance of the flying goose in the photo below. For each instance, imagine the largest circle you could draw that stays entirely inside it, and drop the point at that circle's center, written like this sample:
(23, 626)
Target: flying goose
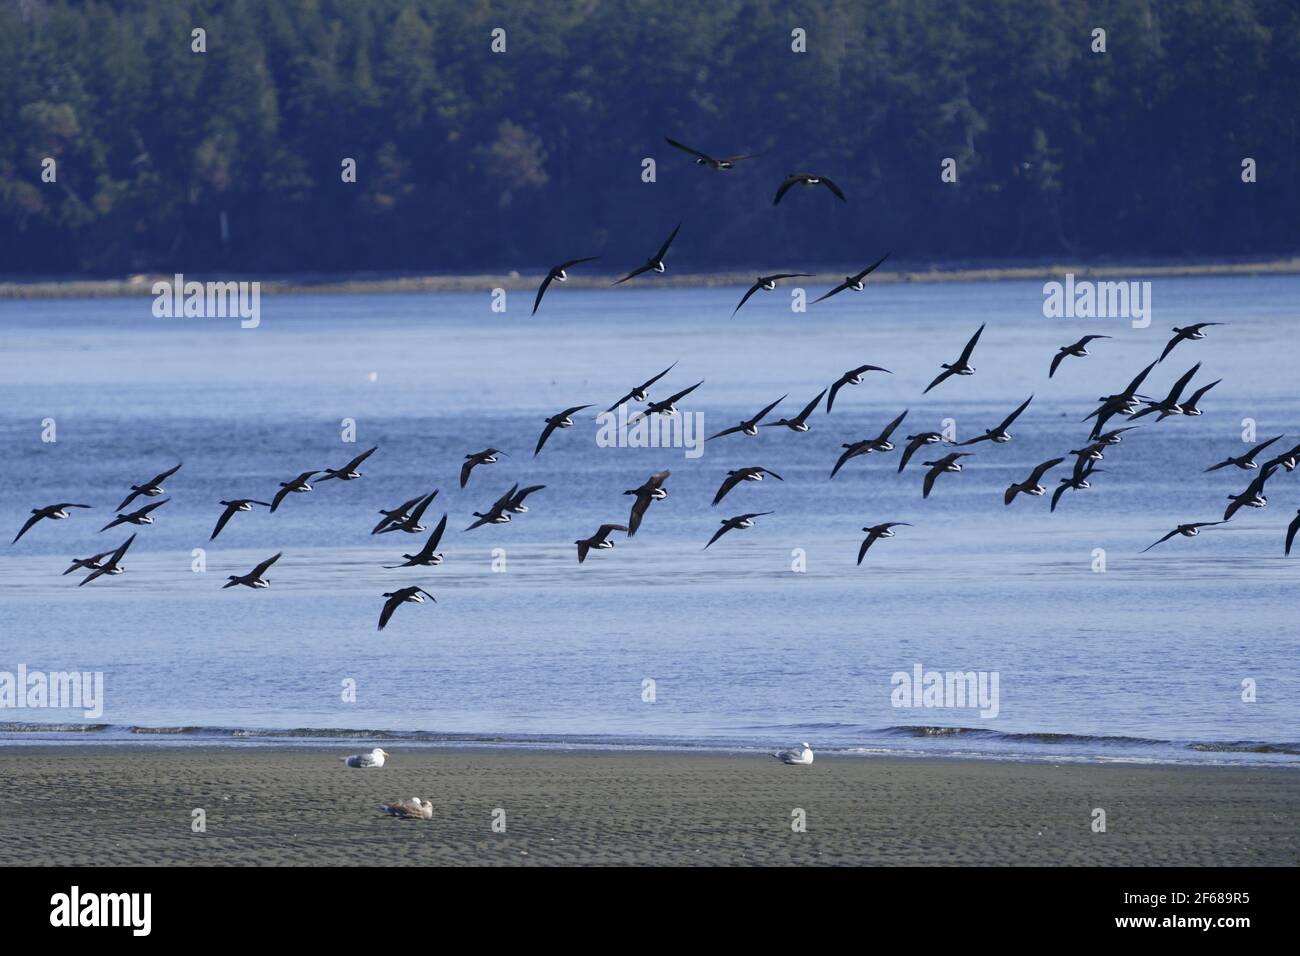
(299, 486)
(112, 566)
(1079, 349)
(488, 456)
(749, 426)
(411, 595)
(398, 514)
(1031, 485)
(558, 273)
(53, 512)
(92, 563)
(962, 366)
(718, 164)
(150, 489)
(1083, 469)
(598, 541)
(651, 490)
(426, 556)
(916, 441)
(1186, 530)
(139, 516)
(349, 471)
(948, 462)
(666, 407)
(516, 503)
(232, 506)
(1000, 435)
(563, 420)
(1252, 497)
(1290, 532)
(852, 377)
(1244, 461)
(1169, 404)
(805, 179)
(854, 282)
(253, 579)
(1190, 333)
(1189, 407)
(767, 284)
(734, 478)
(1124, 403)
(865, 447)
(800, 422)
(641, 392)
(407, 520)
(877, 531)
(735, 521)
(655, 263)
(499, 513)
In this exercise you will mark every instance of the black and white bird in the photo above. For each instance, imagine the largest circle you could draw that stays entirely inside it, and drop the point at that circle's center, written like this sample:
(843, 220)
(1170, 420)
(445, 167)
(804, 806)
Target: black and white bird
(1079, 349)
(1115, 436)
(488, 456)
(734, 522)
(651, 489)
(962, 366)
(806, 179)
(1031, 485)
(254, 578)
(1291, 530)
(716, 163)
(598, 541)
(1078, 481)
(1252, 497)
(750, 425)
(1288, 459)
(914, 442)
(734, 478)
(408, 517)
(1192, 405)
(667, 406)
(113, 565)
(53, 512)
(800, 422)
(233, 506)
(411, 595)
(299, 486)
(767, 284)
(139, 516)
(852, 377)
(563, 420)
(516, 503)
(1000, 435)
(427, 556)
(948, 462)
(1189, 334)
(92, 563)
(558, 273)
(875, 532)
(150, 489)
(499, 513)
(349, 471)
(1123, 403)
(1186, 530)
(1169, 404)
(641, 392)
(854, 282)
(880, 443)
(655, 263)
(1246, 460)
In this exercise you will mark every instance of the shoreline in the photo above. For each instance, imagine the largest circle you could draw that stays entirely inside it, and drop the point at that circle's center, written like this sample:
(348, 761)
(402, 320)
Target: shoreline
(369, 283)
(277, 807)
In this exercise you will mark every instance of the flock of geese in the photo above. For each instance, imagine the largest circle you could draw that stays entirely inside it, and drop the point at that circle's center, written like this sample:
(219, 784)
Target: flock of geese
(1130, 404)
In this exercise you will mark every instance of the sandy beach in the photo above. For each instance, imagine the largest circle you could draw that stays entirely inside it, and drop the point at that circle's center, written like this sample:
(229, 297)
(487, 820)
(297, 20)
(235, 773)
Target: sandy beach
(125, 806)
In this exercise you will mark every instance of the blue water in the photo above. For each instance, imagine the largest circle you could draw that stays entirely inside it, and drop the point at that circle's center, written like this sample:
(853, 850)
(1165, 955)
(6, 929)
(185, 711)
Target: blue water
(1144, 661)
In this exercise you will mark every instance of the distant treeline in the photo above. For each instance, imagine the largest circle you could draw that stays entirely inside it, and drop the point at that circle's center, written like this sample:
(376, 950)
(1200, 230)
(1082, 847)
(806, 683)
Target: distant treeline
(468, 159)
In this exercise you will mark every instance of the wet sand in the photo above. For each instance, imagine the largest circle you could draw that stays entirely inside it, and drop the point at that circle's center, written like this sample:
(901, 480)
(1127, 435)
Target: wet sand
(123, 806)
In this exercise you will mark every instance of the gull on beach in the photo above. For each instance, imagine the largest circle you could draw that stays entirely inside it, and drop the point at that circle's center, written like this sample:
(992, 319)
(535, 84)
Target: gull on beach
(412, 809)
(375, 758)
(792, 756)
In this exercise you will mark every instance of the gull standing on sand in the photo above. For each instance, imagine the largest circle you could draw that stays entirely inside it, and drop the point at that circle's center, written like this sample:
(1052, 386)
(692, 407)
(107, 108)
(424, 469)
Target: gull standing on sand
(375, 758)
(793, 756)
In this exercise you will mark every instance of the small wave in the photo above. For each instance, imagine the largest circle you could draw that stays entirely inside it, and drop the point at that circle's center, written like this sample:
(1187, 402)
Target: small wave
(24, 728)
(1247, 747)
(165, 730)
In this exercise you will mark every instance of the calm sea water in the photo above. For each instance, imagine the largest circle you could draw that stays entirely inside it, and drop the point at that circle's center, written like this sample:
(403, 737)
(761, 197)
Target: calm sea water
(1143, 661)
